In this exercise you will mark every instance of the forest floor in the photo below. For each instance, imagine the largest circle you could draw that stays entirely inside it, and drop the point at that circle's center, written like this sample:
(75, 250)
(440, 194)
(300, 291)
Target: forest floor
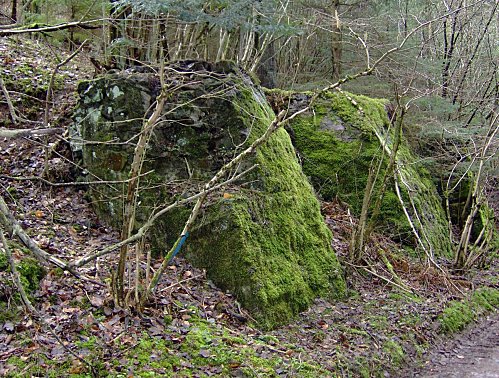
(191, 328)
(473, 353)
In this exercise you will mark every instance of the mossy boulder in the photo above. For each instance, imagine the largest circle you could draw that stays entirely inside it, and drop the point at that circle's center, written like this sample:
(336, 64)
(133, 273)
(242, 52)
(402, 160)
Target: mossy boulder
(340, 139)
(264, 238)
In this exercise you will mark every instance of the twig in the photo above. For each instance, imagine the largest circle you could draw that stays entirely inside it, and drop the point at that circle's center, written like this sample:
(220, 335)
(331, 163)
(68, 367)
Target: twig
(15, 274)
(12, 110)
(180, 282)
(52, 79)
(12, 226)
(366, 268)
(72, 183)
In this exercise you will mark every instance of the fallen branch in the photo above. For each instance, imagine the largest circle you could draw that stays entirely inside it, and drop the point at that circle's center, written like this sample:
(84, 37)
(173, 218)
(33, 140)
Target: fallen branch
(12, 110)
(47, 29)
(13, 227)
(29, 306)
(22, 133)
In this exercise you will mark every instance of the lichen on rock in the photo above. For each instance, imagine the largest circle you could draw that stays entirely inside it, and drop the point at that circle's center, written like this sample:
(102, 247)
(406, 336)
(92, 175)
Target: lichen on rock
(265, 239)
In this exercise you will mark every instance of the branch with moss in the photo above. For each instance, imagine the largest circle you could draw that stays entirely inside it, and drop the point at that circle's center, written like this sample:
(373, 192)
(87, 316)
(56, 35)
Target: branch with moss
(36, 28)
(23, 133)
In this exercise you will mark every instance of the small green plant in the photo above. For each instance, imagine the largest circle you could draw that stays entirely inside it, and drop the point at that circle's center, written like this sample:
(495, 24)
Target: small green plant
(31, 273)
(456, 316)
(395, 352)
(487, 298)
(3, 262)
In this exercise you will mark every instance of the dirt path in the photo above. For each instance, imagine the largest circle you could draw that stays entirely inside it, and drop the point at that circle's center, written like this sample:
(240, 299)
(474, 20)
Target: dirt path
(474, 353)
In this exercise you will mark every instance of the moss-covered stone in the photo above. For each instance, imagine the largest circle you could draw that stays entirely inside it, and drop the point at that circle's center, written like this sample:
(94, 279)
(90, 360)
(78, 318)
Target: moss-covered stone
(338, 144)
(266, 240)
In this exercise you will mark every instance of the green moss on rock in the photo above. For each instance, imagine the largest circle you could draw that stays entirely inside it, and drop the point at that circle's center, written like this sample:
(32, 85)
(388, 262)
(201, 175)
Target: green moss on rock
(338, 144)
(266, 241)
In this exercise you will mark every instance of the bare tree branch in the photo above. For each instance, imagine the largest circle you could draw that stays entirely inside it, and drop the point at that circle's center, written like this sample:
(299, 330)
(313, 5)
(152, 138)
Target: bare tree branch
(47, 29)
(22, 133)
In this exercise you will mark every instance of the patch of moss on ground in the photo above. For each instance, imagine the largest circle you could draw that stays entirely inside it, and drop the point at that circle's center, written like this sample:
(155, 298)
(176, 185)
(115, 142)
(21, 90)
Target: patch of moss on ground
(31, 79)
(30, 273)
(458, 314)
(395, 352)
(3, 261)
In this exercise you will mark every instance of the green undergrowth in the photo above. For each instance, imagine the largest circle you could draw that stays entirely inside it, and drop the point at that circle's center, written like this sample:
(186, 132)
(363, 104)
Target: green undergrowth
(458, 314)
(30, 272)
(27, 75)
(206, 349)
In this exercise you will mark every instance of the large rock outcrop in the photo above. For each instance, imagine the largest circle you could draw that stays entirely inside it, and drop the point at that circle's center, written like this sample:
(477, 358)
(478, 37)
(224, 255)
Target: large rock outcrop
(338, 141)
(264, 239)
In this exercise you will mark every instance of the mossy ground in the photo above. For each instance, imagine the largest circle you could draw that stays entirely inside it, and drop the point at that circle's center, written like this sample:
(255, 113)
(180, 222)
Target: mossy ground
(206, 348)
(458, 314)
(26, 73)
(30, 273)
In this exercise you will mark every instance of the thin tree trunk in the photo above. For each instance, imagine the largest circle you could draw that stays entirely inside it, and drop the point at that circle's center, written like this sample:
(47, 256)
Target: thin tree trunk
(449, 46)
(13, 14)
(130, 204)
(336, 41)
(472, 56)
